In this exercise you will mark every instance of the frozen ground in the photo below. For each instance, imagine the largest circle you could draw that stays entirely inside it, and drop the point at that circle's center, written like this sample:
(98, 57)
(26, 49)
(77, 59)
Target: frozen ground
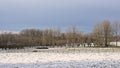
(60, 60)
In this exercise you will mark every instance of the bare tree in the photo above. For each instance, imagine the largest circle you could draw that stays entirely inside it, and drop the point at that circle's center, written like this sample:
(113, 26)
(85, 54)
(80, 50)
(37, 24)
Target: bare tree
(103, 32)
(106, 32)
(97, 35)
(116, 28)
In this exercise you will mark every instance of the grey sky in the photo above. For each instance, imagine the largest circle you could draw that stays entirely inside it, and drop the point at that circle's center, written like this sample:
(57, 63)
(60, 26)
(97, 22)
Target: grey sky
(19, 14)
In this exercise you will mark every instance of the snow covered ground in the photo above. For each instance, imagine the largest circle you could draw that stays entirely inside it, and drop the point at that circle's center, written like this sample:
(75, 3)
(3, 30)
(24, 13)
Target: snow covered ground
(60, 60)
(114, 43)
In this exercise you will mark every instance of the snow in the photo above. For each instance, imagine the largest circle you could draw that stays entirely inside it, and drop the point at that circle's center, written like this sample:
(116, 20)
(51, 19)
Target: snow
(114, 43)
(60, 60)
(7, 31)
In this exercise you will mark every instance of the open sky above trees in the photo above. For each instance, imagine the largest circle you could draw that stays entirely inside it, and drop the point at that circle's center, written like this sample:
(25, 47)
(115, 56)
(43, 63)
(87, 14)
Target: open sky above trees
(16, 15)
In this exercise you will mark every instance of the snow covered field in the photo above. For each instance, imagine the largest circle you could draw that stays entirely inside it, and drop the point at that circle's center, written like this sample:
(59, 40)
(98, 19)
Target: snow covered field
(60, 60)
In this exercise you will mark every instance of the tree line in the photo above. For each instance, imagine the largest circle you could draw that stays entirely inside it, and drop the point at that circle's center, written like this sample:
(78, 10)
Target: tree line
(103, 33)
